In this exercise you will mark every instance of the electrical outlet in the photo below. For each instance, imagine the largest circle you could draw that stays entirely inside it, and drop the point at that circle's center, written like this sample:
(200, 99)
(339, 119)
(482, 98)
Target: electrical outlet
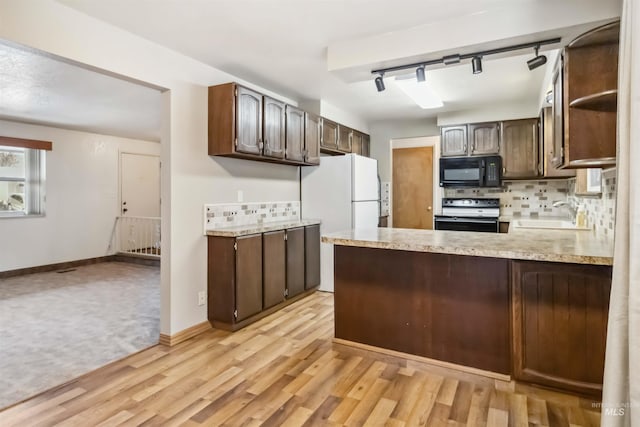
(202, 297)
(240, 196)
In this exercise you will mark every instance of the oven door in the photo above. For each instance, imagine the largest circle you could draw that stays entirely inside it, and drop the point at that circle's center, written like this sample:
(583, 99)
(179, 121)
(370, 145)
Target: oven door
(461, 172)
(455, 223)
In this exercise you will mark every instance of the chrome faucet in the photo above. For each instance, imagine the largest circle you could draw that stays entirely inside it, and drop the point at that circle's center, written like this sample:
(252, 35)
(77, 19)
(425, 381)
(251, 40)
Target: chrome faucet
(569, 206)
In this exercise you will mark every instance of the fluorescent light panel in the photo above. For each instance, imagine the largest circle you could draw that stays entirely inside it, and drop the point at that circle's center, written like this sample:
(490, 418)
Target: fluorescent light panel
(419, 92)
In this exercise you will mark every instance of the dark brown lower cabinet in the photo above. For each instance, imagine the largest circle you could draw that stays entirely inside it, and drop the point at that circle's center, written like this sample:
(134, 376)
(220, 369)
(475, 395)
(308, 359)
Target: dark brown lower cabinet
(431, 305)
(274, 263)
(312, 256)
(248, 276)
(295, 261)
(560, 324)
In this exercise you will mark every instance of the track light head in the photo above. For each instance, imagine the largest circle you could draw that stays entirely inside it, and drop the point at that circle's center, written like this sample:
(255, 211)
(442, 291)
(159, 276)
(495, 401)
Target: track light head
(420, 74)
(538, 61)
(380, 82)
(476, 64)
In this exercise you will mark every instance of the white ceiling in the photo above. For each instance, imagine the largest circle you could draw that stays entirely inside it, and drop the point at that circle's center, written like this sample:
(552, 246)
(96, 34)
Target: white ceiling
(304, 50)
(41, 89)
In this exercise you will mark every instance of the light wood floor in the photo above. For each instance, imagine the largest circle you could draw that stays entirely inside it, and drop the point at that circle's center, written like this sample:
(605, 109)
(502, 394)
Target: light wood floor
(285, 371)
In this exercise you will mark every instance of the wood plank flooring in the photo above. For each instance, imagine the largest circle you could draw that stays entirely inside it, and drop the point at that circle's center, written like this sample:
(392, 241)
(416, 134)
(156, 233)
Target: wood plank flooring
(285, 371)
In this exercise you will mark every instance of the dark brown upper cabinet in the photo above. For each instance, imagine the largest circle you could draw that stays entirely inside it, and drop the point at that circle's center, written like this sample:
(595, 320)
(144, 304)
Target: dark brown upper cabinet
(546, 141)
(329, 139)
(274, 128)
(519, 149)
(484, 138)
(589, 98)
(312, 137)
(344, 139)
(366, 145)
(557, 111)
(453, 141)
(295, 134)
(356, 142)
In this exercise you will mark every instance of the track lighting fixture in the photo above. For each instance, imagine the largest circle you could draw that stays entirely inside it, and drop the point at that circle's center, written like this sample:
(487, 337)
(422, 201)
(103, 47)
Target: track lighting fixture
(476, 60)
(476, 64)
(380, 82)
(538, 61)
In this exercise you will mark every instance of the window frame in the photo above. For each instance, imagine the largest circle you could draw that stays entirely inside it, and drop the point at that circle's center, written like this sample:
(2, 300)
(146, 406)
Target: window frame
(34, 183)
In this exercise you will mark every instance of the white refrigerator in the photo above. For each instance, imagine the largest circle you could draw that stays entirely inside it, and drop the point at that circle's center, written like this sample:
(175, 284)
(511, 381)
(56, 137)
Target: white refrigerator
(343, 192)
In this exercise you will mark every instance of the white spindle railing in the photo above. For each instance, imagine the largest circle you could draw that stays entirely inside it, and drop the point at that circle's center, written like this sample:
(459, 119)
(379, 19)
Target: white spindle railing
(137, 235)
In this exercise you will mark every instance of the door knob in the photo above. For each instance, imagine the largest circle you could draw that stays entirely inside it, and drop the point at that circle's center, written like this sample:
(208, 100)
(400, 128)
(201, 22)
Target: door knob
(124, 210)
(429, 208)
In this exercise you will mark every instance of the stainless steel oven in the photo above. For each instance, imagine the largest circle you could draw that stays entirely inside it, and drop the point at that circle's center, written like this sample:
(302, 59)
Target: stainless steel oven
(480, 215)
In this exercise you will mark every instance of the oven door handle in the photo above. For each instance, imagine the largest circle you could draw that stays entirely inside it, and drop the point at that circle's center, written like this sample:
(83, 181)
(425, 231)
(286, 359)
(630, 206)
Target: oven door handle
(469, 220)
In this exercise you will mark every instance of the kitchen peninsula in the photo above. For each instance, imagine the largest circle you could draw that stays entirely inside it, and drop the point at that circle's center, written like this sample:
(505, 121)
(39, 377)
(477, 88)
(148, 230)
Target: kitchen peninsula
(529, 304)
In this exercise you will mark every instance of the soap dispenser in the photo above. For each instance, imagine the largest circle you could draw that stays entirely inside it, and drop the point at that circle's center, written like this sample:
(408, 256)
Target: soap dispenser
(581, 217)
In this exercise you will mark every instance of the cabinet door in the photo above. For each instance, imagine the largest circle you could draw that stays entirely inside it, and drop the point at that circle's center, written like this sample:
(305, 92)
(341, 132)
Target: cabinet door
(274, 128)
(557, 111)
(248, 276)
(560, 324)
(519, 148)
(312, 136)
(329, 135)
(356, 143)
(344, 139)
(485, 138)
(366, 146)
(311, 256)
(453, 141)
(547, 148)
(295, 134)
(248, 121)
(273, 258)
(295, 261)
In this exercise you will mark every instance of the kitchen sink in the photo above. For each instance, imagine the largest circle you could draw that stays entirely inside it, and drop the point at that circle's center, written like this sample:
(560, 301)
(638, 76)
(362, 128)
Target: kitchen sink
(548, 224)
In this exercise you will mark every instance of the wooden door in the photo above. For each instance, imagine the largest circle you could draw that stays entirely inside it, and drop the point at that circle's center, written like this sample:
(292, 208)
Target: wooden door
(312, 136)
(412, 192)
(295, 130)
(557, 110)
(248, 121)
(248, 276)
(311, 256)
(366, 146)
(273, 267)
(453, 141)
(295, 261)
(329, 139)
(560, 324)
(274, 128)
(485, 138)
(356, 142)
(344, 139)
(519, 149)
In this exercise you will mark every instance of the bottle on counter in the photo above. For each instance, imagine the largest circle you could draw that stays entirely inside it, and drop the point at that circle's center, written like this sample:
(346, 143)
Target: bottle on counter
(581, 217)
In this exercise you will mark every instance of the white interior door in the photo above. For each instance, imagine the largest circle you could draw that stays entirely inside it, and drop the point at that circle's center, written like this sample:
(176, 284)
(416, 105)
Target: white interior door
(140, 185)
(139, 203)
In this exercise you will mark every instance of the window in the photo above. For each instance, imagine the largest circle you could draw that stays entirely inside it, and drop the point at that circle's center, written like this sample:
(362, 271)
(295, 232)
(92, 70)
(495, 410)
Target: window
(21, 181)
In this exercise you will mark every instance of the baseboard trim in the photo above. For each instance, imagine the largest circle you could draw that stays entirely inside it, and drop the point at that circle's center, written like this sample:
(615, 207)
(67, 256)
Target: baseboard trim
(78, 263)
(426, 360)
(185, 334)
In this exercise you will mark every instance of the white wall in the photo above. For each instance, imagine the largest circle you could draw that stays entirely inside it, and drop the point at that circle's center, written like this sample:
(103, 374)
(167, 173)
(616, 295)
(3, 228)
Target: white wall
(82, 198)
(190, 178)
(383, 132)
(495, 112)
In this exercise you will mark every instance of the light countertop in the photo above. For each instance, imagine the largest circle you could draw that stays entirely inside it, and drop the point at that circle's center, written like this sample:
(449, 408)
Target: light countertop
(579, 247)
(244, 230)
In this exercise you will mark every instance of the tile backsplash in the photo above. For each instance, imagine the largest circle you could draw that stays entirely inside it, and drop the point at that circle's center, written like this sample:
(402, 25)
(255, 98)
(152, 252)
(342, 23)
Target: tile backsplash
(534, 199)
(225, 215)
(600, 210)
(530, 199)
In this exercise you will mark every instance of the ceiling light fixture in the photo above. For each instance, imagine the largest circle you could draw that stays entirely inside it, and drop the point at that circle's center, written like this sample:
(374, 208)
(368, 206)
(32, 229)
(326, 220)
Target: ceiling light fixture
(476, 64)
(420, 93)
(420, 74)
(538, 61)
(380, 82)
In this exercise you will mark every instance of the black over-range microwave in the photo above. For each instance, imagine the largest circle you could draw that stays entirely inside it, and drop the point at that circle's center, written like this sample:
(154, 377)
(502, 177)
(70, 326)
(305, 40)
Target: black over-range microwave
(482, 171)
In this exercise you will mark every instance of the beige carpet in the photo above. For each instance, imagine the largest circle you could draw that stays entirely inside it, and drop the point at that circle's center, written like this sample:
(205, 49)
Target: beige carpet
(56, 326)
